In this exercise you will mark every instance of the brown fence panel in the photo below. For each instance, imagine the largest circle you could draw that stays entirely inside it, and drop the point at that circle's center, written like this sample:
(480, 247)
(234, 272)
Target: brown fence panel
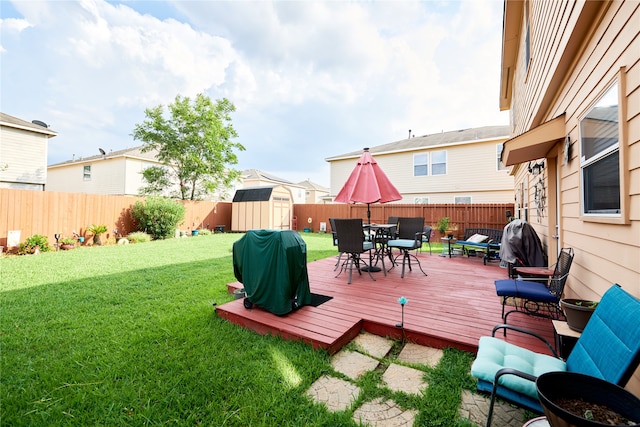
(48, 213)
(464, 216)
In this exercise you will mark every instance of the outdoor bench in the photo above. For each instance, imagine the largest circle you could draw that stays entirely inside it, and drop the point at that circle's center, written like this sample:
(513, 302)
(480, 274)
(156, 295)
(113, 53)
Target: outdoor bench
(489, 244)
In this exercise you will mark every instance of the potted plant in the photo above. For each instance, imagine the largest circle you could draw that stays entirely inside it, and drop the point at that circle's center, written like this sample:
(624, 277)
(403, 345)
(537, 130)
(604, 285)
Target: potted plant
(443, 225)
(574, 399)
(578, 312)
(97, 230)
(67, 243)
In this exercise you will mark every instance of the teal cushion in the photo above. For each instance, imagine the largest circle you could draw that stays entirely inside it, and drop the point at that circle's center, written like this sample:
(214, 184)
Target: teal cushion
(367, 246)
(495, 354)
(401, 243)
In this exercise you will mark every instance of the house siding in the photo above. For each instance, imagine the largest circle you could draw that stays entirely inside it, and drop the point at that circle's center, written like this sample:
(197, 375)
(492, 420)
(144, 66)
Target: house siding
(471, 171)
(23, 159)
(578, 50)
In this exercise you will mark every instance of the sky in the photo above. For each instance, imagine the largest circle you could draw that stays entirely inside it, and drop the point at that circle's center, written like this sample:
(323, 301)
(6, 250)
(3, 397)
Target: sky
(309, 79)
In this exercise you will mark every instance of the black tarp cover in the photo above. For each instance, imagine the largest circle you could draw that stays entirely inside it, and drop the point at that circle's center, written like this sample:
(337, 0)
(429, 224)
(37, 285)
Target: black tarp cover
(272, 266)
(521, 245)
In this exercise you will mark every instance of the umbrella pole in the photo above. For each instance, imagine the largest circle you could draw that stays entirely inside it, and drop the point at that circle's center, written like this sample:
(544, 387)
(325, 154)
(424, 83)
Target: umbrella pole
(371, 268)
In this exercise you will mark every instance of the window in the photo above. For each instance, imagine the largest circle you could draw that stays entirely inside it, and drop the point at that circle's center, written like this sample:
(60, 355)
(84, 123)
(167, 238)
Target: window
(439, 163)
(421, 200)
(462, 200)
(499, 165)
(600, 156)
(420, 162)
(86, 173)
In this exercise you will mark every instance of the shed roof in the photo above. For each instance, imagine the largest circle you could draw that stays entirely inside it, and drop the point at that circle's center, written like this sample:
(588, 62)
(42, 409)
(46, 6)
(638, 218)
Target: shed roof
(256, 194)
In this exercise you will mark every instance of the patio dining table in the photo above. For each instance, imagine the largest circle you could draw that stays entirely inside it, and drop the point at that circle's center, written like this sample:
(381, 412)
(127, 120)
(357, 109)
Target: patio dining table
(380, 235)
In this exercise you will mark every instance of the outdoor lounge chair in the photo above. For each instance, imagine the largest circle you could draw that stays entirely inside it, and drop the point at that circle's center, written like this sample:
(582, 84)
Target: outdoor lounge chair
(351, 242)
(608, 349)
(537, 296)
(409, 239)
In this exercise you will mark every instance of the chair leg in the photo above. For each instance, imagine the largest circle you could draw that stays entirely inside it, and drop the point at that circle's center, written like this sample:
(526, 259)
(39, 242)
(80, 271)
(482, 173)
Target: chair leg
(491, 405)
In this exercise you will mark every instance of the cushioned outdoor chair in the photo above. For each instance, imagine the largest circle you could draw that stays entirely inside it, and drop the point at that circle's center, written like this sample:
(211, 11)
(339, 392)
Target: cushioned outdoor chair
(426, 236)
(609, 349)
(351, 242)
(536, 296)
(335, 240)
(409, 239)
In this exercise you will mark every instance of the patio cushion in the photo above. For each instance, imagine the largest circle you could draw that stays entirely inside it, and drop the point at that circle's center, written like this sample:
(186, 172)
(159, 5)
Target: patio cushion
(367, 246)
(402, 243)
(494, 354)
(524, 289)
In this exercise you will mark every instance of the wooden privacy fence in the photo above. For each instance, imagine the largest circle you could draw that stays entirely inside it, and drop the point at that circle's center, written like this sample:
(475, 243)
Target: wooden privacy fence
(464, 216)
(48, 213)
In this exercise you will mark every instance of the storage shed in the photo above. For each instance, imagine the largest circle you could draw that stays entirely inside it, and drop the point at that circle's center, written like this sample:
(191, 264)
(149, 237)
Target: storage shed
(262, 208)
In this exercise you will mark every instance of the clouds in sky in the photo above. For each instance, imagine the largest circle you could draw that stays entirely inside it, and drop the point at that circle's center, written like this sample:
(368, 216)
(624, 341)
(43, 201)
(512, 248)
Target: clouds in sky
(309, 79)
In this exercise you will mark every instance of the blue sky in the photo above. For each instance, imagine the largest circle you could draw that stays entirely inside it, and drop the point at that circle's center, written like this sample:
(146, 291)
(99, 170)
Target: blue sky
(309, 79)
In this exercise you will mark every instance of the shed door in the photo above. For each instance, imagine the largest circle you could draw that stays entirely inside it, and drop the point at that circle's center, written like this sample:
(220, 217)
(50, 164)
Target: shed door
(281, 213)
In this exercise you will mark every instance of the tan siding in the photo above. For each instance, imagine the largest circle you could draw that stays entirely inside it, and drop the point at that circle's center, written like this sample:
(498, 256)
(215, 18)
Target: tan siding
(25, 156)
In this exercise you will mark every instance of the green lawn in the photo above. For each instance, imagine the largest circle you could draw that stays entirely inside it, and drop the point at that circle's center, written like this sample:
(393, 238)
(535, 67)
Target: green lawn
(127, 335)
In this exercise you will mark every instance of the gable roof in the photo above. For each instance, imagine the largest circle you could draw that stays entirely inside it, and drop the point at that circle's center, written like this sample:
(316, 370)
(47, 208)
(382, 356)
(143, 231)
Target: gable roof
(312, 186)
(14, 122)
(434, 140)
(135, 152)
(249, 174)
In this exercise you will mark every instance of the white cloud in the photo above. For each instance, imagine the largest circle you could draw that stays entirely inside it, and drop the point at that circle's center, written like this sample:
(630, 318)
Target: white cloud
(309, 79)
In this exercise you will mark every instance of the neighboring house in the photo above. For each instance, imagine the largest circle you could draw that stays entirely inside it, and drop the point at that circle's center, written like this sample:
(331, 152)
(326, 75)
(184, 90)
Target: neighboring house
(451, 167)
(571, 80)
(250, 178)
(117, 172)
(314, 193)
(23, 153)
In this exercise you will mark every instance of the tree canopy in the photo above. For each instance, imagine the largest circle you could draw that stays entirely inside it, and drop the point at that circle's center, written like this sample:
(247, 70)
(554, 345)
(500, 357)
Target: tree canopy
(194, 144)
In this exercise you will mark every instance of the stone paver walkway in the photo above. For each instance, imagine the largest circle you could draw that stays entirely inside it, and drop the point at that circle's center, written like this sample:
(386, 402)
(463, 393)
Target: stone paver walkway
(338, 394)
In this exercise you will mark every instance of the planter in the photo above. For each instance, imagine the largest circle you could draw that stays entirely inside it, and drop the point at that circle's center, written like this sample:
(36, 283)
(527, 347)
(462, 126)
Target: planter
(66, 247)
(557, 389)
(578, 312)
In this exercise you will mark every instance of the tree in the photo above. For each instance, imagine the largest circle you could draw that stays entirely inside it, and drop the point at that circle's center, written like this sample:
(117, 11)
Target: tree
(194, 144)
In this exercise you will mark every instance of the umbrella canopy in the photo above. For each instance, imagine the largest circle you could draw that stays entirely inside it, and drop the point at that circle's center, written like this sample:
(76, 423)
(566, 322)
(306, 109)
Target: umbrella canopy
(367, 184)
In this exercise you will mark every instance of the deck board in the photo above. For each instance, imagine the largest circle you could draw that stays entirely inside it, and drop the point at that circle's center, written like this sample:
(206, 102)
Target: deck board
(453, 306)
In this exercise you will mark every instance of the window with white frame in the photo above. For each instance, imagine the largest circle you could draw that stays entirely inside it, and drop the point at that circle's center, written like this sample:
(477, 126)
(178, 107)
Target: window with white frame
(438, 163)
(600, 156)
(499, 165)
(421, 200)
(420, 164)
(86, 173)
(462, 200)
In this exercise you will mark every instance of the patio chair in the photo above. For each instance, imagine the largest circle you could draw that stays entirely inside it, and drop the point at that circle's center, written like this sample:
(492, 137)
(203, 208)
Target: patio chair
(335, 240)
(409, 239)
(426, 236)
(537, 296)
(608, 349)
(351, 242)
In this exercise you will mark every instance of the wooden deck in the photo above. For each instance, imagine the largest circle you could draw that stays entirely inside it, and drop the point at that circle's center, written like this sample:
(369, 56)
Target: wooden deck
(451, 307)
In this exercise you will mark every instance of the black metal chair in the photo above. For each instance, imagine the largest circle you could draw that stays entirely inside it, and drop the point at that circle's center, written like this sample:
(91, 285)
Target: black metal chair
(334, 234)
(409, 238)
(351, 242)
(426, 236)
(537, 296)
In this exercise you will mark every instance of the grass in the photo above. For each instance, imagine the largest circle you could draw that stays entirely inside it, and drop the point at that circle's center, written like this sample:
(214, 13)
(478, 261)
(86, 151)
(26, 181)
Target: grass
(127, 336)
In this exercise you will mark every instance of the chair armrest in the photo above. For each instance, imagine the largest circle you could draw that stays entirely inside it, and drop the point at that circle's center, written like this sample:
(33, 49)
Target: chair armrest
(511, 371)
(524, 331)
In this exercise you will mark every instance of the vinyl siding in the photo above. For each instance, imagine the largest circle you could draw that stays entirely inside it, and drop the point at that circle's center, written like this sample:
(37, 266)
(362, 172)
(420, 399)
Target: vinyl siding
(471, 171)
(23, 159)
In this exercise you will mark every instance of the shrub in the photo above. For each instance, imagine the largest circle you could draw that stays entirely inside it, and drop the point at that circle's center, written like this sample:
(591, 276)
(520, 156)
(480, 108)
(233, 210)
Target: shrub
(138, 237)
(158, 216)
(28, 245)
(97, 229)
(204, 232)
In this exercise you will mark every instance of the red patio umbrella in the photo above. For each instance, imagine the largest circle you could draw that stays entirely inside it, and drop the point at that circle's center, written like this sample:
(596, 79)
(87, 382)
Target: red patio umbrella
(367, 184)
